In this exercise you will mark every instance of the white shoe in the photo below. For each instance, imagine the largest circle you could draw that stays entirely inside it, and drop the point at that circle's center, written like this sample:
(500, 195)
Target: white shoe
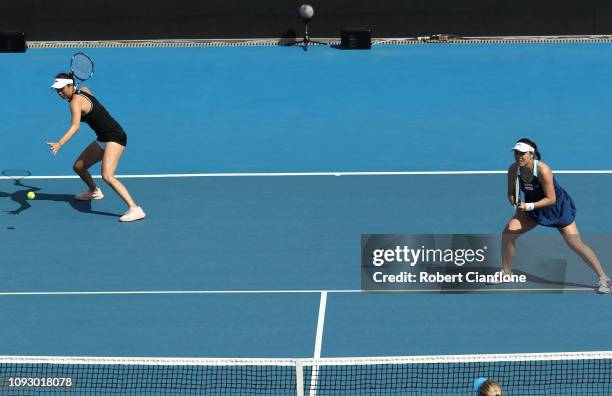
(133, 214)
(89, 195)
(605, 285)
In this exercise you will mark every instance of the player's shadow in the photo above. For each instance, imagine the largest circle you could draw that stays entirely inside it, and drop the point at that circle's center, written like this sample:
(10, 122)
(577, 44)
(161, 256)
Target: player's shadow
(20, 197)
(544, 280)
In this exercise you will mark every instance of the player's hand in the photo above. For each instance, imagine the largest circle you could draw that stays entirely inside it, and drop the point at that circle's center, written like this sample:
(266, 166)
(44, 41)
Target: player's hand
(521, 207)
(54, 147)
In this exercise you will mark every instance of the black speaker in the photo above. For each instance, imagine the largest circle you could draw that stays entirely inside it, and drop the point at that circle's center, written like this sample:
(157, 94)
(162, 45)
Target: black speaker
(12, 42)
(356, 38)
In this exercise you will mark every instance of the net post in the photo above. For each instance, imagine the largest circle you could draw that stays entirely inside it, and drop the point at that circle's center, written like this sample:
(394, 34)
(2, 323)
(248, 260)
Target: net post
(299, 378)
(314, 379)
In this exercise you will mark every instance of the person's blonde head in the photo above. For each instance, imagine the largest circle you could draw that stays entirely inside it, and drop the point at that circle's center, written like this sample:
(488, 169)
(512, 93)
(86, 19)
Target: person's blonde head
(490, 388)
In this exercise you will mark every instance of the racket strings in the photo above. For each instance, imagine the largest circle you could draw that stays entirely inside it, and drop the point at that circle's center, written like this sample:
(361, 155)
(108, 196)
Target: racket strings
(82, 67)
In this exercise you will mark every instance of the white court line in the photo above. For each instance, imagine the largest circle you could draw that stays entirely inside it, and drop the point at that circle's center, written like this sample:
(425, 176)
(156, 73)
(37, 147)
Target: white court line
(127, 292)
(320, 325)
(337, 173)
(314, 376)
(161, 292)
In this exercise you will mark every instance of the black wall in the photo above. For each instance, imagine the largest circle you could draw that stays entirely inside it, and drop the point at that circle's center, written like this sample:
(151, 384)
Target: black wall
(157, 19)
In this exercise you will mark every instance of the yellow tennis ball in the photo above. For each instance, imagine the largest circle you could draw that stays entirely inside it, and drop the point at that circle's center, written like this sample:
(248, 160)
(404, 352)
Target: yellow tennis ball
(31, 195)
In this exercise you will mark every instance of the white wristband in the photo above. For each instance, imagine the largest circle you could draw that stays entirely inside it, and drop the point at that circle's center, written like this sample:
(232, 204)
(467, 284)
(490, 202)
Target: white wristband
(529, 206)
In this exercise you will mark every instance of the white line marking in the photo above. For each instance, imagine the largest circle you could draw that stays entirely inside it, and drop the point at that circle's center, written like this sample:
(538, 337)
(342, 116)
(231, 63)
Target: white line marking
(590, 289)
(128, 292)
(318, 343)
(299, 379)
(175, 292)
(337, 173)
(368, 360)
(320, 325)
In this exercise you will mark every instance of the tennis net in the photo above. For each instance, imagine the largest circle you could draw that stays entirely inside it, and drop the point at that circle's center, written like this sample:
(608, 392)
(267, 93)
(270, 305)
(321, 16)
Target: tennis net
(577, 373)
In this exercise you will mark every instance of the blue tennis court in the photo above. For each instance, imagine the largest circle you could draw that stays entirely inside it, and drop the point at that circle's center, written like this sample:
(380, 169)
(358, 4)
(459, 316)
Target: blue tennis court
(260, 167)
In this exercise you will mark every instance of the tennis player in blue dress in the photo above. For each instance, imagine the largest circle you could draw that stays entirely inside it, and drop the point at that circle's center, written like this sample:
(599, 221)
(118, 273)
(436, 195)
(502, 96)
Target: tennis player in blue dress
(546, 203)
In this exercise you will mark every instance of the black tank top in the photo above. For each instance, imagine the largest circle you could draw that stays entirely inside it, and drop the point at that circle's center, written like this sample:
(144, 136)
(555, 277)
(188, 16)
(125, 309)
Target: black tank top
(107, 129)
(559, 215)
(533, 189)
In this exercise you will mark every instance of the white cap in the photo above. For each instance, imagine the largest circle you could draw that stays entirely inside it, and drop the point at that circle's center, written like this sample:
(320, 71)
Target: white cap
(523, 147)
(60, 83)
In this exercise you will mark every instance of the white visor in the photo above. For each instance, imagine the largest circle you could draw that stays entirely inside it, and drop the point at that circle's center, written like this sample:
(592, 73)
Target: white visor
(523, 147)
(60, 83)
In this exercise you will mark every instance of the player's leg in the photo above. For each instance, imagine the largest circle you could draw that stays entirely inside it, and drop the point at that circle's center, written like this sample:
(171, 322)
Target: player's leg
(110, 161)
(90, 156)
(112, 154)
(519, 224)
(571, 234)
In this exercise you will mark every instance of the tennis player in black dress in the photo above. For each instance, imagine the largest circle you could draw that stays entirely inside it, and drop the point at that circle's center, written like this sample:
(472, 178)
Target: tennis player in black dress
(108, 147)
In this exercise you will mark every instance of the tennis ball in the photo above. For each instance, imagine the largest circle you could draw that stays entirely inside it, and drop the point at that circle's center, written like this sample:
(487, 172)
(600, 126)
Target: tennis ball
(31, 195)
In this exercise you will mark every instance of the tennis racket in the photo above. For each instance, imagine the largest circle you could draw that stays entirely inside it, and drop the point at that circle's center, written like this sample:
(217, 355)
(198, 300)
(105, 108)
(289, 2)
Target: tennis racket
(517, 192)
(16, 175)
(82, 67)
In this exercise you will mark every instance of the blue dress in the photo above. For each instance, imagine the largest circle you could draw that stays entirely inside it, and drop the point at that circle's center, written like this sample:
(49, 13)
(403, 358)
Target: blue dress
(559, 215)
